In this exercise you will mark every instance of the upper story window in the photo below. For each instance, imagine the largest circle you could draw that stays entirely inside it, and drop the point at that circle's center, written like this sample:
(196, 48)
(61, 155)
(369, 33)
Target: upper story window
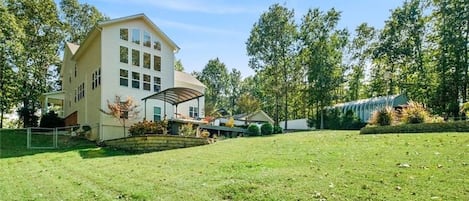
(124, 77)
(157, 63)
(135, 80)
(124, 34)
(136, 36)
(146, 39)
(96, 78)
(146, 60)
(146, 82)
(124, 54)
(135, 57)
(156, 84)
(76, 70)
(80, 91)
(156, 45)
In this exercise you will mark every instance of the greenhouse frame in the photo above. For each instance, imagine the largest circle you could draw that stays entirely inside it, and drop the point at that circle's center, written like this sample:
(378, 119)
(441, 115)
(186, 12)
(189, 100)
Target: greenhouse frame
(364, 108)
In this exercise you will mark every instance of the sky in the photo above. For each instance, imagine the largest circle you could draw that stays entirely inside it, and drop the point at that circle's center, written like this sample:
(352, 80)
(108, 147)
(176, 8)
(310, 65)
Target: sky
(209, 29)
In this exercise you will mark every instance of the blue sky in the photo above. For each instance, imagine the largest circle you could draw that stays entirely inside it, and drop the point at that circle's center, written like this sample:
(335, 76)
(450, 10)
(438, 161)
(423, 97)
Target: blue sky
(206, 29)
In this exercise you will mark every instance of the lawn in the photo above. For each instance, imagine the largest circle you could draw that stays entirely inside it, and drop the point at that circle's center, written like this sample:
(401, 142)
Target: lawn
(325, 165)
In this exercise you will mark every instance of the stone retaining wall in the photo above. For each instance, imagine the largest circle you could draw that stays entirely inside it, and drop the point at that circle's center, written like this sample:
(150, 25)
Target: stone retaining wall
(146, 143)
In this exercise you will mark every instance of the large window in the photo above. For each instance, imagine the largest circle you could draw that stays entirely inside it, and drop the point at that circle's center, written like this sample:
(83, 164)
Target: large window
(124, 54)
(135, 80)
(124, 34)
(146, 82)
(157, 63)
(156, 114)
(193, 112)
(136, 36)
(157, 45)
(96, 78)
(81, 91)
(146, 60)
(124, 77)
(135, 57)
(146, 39)
(156, 84)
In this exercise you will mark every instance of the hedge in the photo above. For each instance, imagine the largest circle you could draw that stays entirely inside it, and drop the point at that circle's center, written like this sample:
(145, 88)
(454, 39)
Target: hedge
(458, 126)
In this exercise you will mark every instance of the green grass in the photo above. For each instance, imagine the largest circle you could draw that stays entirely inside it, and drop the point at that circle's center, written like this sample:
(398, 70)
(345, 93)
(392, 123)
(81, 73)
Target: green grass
(332, 165)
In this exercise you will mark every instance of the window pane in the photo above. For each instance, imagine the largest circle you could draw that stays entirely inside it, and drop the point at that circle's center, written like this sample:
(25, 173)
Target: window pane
(146, 78)
(124, 54)
(157, 80)
(135, 57)
(135, 76)
(156, 113)
(124, 73)
(135, 84)
(136, 36)
(146, 60)
(157, 63)
(146, 39)
(124, 34)
(156, 88)
(156, 45)
(136, 80)
(124, 82)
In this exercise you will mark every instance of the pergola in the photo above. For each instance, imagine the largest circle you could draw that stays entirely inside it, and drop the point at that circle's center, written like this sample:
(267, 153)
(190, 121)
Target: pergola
(175, 96)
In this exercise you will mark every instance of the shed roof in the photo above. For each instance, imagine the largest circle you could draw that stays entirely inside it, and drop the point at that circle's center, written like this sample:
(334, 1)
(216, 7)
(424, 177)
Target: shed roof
(176, 95)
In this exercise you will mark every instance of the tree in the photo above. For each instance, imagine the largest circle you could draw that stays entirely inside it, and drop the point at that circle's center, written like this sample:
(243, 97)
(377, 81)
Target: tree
(248, 104)
(11, 48)
(42, 29)
(78, 19)
(271, 46)
(233, 89)
(122, 110)
(215, 77)
(321, 52)
(360, 50)
(178, 65)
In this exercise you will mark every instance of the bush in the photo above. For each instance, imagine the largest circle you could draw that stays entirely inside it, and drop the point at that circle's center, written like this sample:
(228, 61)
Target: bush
(267, 129)
(146, 127)
(459, 126)
(230, 122)
(277, 129)
(204, 134)
(415, 113)
(383, 117)
(51, 120)
(253, 130)
(187, 130)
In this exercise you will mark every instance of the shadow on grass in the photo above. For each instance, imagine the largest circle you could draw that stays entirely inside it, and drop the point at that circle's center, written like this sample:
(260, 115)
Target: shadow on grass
(103, 152)
(13, 144)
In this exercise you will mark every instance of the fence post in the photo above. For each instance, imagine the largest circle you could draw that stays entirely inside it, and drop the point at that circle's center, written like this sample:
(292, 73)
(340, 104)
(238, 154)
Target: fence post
(56, 134)
(28, 138)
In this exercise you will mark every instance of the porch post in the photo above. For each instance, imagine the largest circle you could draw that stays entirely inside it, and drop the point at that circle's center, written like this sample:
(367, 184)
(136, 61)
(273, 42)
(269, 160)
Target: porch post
(198, 108)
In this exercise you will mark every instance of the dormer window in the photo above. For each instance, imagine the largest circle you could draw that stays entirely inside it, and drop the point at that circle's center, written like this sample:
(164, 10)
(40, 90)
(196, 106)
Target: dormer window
(136, 36)
(124, 34)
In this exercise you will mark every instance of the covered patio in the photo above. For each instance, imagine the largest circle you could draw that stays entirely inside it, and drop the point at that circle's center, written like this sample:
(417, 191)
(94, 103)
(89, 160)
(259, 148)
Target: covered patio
(176, 96)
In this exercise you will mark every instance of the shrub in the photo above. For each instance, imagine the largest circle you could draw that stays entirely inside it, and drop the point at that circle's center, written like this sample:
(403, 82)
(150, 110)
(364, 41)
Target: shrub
(267, 129)
(253, 130)
(415, 113)
(51, 120)
(204, 134)
(187, 130)
(277, 129)
(383, 117)
(458, 126)
(146, 127)
(230, 122)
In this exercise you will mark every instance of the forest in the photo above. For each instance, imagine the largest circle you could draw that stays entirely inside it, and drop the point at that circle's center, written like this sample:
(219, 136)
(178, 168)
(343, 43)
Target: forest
(300, 67)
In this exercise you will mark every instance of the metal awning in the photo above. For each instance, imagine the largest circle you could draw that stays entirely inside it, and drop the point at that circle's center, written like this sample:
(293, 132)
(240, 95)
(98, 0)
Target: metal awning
(175, 96)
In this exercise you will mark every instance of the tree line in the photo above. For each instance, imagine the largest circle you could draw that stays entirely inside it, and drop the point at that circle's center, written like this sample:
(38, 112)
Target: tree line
(301, 68)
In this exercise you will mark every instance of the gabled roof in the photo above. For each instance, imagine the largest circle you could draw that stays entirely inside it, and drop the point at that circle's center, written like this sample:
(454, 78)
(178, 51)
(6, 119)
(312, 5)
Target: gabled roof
(95, 31)
(73, 47)
(185, 77)
(249, 116)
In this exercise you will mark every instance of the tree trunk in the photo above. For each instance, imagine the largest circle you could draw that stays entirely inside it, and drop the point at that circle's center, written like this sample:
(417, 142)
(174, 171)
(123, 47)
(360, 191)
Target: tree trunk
(1, 118)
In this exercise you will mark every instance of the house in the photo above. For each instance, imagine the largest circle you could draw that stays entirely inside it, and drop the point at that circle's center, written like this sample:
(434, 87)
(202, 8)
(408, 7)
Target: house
(258, 117)
(128, 56)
